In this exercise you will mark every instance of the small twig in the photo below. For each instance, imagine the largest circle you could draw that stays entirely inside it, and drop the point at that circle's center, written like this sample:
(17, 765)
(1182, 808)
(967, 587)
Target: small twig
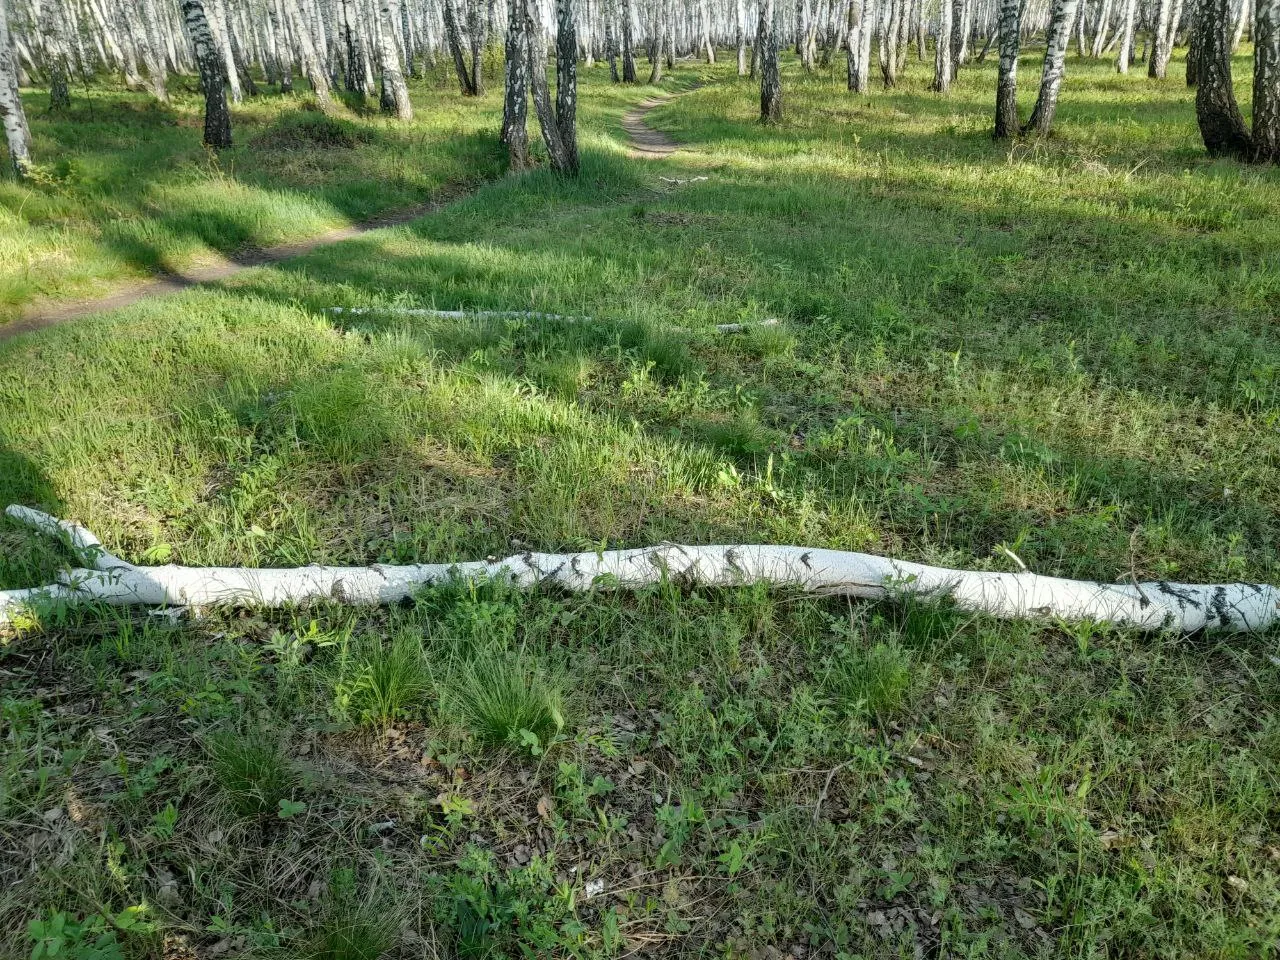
(1133, 567)
(826, 788)
(529, 315)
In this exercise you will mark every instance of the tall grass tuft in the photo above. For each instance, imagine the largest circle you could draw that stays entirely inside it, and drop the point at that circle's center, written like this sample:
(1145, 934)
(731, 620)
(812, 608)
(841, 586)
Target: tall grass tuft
(392, 681)
(501, 696)
(252, 772)
(353, 927)
(875, 681)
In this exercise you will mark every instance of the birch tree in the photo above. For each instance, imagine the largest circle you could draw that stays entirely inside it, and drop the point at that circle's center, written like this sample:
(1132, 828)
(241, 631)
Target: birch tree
(770, 78)
(942, 50)
(158, 60)
(453, 37)
(515, 105)
(219, 30)
(1101, 30)
(1154, 606)
(611, 42)
(567, 86)
(1193, 44)
(891, 17)
(740, 35)
(394, 97)
(1007, 123)
(559, 122)
(1055, 59)
(145, 43)
(1242, 21)
(1161, 41)
(308, 56)
(476, 28)
(804, 35)
(355, 68)
(628, 45)
(217, 116)
(661, 26)
(861, 20)
(1221, 124)
(1266, 81)
(1126, 37)
(16, 132)
(704, 30)
(56, 54)
(283, 52)
(957, 37)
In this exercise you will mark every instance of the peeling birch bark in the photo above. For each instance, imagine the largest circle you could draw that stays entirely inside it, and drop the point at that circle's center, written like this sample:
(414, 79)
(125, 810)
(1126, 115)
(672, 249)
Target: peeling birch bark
(1186, 608)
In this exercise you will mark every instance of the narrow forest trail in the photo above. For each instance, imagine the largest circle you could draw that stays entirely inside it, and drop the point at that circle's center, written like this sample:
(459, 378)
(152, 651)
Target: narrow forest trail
(644, 143)
(172, 282)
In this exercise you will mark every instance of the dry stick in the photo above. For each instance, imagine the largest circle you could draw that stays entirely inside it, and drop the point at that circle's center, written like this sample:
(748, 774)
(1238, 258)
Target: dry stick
(1237, 607)
(522, 315)
(826, 788)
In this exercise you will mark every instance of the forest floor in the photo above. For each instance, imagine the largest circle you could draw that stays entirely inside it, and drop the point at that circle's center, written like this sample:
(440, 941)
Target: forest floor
(127, 193)
(1067, 349)
(643, 141)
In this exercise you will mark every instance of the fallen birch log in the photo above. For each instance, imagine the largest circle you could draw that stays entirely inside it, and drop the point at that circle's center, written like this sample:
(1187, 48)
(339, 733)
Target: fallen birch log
(457, 314)
(1238, 607)
(519, 315)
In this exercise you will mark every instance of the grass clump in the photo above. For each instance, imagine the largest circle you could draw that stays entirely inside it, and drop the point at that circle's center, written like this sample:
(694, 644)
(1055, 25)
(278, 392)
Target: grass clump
(390, 682)
(252, 772)
(307, 128)
(353, 927)
(874, 681)
(507, 699)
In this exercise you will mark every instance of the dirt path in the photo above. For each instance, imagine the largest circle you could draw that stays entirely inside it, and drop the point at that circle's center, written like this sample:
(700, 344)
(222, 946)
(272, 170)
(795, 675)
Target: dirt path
(167, 283)
(646, 143)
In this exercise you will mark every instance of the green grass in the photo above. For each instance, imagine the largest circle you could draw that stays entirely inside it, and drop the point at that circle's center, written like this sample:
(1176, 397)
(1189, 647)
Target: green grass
(124, 189)
(1066, 349)
(876, 679)
(252, 771)
(386, 681)
(506, 700)
(354, 927)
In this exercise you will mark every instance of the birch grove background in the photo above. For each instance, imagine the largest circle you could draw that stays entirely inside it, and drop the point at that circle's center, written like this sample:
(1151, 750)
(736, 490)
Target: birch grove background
(369, 48)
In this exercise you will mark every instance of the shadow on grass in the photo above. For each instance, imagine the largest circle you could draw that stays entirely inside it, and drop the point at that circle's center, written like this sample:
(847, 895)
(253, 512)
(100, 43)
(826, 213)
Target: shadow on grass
(137, 168)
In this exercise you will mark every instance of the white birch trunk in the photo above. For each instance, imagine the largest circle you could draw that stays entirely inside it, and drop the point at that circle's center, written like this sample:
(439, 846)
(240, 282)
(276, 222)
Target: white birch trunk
(12, 114)
(1126, 37)
(1266, 82)
(395, 93)
(1242, 22)
(1148, 606)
